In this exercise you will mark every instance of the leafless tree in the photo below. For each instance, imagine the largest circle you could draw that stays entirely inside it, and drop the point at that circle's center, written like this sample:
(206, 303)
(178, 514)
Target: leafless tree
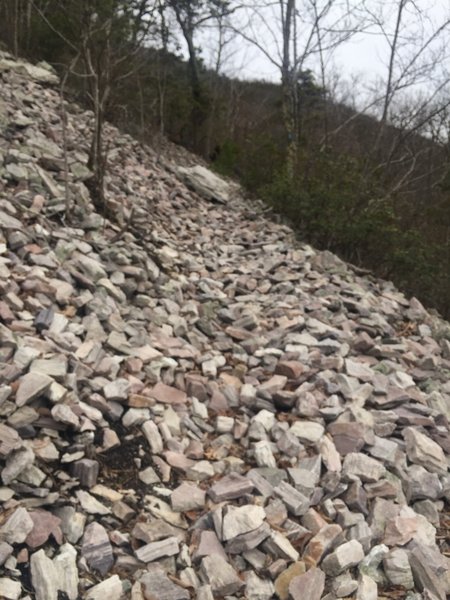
(289, 34)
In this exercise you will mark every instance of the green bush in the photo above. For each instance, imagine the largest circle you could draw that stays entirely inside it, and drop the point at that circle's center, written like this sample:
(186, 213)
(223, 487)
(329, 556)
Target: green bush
(333, 206)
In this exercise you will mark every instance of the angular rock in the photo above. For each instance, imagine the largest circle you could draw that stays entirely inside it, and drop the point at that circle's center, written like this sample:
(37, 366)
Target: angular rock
(44, 576)
(96, 548)
(310, 585)
(423, 451)
(345, 556)
(31, 386)
(110, 588)
(397, 568)
(242, 519)
(220, 575)
(155, 550)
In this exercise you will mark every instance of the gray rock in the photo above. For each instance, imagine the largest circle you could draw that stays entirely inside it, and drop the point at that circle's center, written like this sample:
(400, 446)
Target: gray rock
(96, 548)
(17, 527)
(159, 586)
(220, 575)
(206, 183)
(423, 451)
(242, 519)
(397, 568)
(296, 502)
(230, 487)
(345, 556)
(187, 497)
(155, 550)
(31, 386)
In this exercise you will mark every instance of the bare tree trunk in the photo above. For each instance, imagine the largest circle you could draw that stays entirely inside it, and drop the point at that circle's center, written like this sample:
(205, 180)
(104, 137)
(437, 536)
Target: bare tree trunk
(288, 85)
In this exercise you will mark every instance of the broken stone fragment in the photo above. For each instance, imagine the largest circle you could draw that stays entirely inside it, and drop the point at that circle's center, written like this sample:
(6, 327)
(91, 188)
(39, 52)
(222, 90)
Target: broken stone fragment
(187, 497)
(397, 568)
(423, 451)
(429, 569)
(158, 586)
(308, 432)
(296, 502)
(367, 589)
(9, 440)
(248, 541)
(96, 548)
(242, 519)
(167, 394)
(310, 585)
(110, 588)
(31, 386)
(45, 524)
(263, 454)
(10, 589)
(44, 576)
(230, 487)
(17, 527)
(86, 470)
(220, 575)
(345, 556)
(66, 565)
(155, 550)
(363, 467)
(322, 542)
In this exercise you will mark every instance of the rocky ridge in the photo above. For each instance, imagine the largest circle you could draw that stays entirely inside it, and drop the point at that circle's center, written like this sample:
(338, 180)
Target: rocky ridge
(193, 404)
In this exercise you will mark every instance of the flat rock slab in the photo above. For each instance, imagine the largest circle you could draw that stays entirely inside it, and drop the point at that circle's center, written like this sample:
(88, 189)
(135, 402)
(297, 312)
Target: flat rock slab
(31, 386)
(167, 394)
(206, 183)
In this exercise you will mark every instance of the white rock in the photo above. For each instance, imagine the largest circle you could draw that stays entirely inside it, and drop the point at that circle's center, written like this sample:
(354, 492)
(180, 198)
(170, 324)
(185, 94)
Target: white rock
(44, 576)
(263, 454)
(10, 589)
(307, 431)
(109, 589)
(242, 519)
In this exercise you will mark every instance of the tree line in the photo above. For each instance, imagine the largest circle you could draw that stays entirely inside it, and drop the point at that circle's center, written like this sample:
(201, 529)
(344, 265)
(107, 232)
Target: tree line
(360, 168)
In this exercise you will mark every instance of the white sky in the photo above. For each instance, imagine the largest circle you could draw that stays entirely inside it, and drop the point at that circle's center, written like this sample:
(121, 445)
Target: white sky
(365, 55)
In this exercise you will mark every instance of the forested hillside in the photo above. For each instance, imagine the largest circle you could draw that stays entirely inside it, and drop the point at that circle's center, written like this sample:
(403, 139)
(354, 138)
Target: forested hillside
(367, 178)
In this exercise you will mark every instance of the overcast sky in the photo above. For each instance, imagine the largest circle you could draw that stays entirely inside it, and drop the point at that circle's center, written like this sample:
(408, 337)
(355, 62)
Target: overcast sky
(365, 55)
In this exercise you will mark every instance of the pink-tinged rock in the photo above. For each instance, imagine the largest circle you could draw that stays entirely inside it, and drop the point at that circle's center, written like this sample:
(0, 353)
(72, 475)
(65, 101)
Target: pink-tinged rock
(310, 585)
(322, 542)
(347, 437)
(31, 386)
(330, 456)
(178, 460)
(274, 384)
(209, 545)
(167, 394)
(292, 369)
(187, 496)
(44, 525)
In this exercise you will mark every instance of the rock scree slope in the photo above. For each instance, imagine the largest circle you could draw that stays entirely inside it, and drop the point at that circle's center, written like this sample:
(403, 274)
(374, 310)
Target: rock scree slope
(193, 404)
